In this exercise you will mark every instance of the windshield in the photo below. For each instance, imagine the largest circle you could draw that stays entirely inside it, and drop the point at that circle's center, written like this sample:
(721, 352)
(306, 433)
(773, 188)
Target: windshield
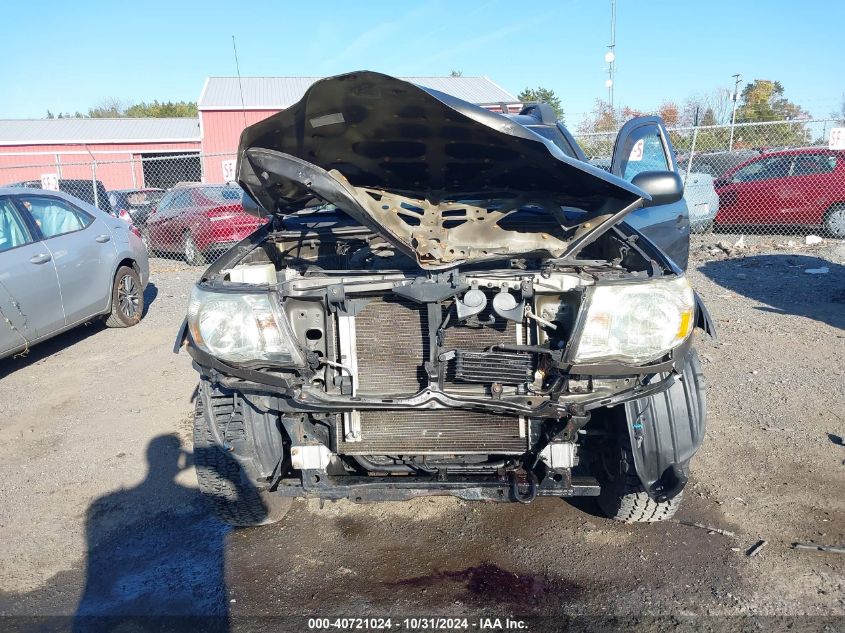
(143, 198)
(554, 135)
(223, 194)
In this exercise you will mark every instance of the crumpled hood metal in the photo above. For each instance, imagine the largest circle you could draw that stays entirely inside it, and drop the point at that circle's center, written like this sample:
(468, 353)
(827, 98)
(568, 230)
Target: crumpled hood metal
(431, 173)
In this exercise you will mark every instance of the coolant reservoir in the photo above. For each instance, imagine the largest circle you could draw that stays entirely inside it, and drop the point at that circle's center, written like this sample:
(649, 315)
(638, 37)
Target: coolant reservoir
(253, 274)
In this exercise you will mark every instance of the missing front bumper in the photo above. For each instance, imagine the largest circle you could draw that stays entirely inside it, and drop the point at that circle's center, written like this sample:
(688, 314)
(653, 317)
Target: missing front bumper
(468, 488)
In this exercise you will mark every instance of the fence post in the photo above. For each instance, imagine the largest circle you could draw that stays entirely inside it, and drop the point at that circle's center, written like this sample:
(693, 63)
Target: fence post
(93, 176)
(691, 154)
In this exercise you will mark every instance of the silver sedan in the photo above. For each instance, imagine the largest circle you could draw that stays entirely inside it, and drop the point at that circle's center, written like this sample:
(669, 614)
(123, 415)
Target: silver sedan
(64, 262)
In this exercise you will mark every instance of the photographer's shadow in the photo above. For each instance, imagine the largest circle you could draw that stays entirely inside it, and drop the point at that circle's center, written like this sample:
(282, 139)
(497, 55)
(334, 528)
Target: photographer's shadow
(154, 551)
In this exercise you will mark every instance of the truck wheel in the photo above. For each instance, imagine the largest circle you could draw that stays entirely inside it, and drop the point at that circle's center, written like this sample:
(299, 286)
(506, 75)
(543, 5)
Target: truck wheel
(623, 497)
(127, 298)
(232, 499)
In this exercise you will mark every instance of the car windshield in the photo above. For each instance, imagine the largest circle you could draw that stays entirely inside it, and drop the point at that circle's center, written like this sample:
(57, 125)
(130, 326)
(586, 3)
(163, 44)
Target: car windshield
(551, 133)
(143, 198)
(223, 194)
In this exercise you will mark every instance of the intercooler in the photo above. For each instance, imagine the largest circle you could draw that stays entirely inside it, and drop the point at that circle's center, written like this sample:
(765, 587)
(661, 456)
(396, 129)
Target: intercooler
(389, 342)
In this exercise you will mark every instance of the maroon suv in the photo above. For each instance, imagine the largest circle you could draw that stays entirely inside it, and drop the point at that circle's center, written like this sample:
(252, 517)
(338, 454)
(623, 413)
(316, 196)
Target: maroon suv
(798, 187)
(197, 221)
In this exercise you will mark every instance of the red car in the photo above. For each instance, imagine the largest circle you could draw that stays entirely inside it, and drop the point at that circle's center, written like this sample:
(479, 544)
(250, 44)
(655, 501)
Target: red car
(804, 187)
(198, 220)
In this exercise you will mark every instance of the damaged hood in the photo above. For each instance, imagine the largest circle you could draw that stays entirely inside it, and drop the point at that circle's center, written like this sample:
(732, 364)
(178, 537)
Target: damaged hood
(436, 176)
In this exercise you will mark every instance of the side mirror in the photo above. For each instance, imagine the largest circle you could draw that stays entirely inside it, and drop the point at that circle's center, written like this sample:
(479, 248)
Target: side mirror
(664, 187)
(251, 206)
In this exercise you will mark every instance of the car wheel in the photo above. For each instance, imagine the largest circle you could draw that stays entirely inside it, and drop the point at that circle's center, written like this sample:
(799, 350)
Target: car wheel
(623, 497)
(127, 299)
(834, 221)
(231, 498)
(193, 255)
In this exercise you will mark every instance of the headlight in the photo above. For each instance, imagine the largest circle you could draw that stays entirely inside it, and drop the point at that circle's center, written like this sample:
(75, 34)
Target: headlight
(636, 323)
(241, 327)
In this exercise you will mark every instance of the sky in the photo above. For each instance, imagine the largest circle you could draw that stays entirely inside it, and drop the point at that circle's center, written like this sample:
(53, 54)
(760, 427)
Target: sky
(65, 57)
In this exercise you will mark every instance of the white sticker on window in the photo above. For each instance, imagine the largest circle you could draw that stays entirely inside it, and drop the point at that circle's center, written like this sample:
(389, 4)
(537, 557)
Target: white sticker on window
(327, 119)
(229, 167)
(837, 138)
(637, 151)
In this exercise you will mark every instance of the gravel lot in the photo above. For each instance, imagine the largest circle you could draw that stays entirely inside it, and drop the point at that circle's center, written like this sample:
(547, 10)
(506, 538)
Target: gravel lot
(100, 512)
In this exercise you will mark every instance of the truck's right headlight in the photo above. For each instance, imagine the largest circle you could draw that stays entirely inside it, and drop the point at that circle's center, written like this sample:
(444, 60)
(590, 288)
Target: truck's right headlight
(636, 323)
(242, 327)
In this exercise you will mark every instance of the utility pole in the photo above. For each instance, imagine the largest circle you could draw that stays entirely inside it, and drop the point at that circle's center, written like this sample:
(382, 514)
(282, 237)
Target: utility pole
(737, 80)
(610, 55)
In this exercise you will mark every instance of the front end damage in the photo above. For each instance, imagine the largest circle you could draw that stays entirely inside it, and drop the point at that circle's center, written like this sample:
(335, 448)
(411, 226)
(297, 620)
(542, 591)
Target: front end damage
(439, 318)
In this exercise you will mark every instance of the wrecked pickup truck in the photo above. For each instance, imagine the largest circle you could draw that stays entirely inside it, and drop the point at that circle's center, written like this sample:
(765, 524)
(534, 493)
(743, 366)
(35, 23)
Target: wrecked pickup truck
(446, 302)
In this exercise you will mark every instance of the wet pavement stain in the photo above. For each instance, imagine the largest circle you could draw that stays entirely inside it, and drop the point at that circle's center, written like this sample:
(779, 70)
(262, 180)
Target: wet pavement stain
(492, 583)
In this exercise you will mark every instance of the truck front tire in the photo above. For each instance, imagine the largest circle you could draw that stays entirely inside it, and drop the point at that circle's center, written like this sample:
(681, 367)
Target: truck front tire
(231, 497)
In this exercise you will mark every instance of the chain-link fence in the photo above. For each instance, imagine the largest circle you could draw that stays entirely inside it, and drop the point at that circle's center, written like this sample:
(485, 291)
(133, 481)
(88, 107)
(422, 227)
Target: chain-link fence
(184, 205)
(768, 181)
(774, 182)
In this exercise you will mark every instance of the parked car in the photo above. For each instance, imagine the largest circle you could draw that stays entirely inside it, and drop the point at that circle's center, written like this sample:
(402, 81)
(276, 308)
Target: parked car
(445, 303)
(716, 163)
(78, 188)
(135, 205)
(63, 262)
(797, 187)
(702, 201)
(197, 220)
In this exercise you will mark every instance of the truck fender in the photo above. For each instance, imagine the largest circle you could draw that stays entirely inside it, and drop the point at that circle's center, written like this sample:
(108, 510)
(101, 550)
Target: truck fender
(666, 429)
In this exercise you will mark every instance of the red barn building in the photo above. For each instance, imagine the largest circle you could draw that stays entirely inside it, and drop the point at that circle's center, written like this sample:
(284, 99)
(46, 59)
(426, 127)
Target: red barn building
(124, 152)
(149, 152)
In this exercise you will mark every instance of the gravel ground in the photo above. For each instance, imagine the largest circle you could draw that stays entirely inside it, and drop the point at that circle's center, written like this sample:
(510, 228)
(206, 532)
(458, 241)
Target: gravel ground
(100, 512)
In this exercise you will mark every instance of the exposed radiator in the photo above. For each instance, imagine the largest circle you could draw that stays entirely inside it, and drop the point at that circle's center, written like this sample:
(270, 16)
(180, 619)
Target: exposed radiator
(392, 347)
(435, 433)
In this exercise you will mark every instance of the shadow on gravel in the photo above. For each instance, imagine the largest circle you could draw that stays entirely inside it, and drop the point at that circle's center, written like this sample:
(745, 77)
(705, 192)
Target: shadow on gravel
(150, 294)
(51, 346)
(780, 282)
(67, 339)
(154, 552)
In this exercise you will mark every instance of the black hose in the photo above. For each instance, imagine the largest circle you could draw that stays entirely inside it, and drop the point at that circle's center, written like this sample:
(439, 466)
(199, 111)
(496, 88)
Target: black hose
(507, 347)
(366, 464)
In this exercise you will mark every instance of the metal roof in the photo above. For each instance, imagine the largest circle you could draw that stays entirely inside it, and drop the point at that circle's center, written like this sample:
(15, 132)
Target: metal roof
(274, 93)
(80, 131)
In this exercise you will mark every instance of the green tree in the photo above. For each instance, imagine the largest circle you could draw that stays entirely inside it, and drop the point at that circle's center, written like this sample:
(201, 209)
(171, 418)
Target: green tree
(543, 95)
(456, 73)
(115, 108)
(109, 108)
(163, 109)
(763, 101)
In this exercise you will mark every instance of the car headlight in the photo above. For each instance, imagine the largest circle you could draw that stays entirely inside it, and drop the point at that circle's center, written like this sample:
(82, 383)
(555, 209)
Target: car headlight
(242, 327)
(636, 323)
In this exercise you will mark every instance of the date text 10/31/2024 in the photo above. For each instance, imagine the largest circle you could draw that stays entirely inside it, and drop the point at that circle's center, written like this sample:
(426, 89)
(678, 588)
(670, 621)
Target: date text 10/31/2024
(417, 624)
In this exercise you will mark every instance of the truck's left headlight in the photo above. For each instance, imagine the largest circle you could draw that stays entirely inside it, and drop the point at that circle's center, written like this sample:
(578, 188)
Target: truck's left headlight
(242, 327)
(636, 323)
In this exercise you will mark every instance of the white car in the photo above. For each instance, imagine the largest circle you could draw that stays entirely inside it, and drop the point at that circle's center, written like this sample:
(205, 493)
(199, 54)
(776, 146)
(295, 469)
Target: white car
(702, 201)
